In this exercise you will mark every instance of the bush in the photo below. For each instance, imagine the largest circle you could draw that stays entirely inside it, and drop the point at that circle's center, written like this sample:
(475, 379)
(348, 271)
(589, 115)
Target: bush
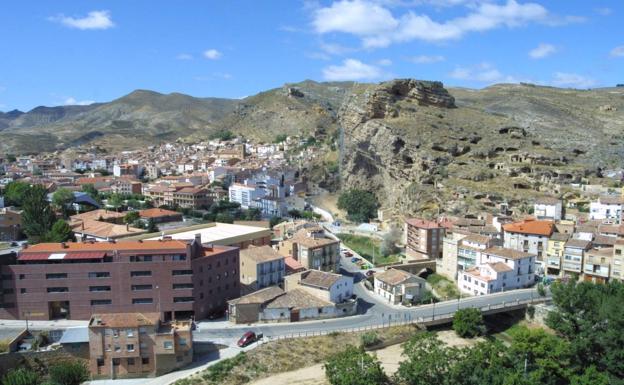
(468, 323)
(4, 346)
(370, 339)
(531, 311)
(21, 376)
(354, 366)
(220, 371)
(360, 205)
(69, 373)
(541, 290)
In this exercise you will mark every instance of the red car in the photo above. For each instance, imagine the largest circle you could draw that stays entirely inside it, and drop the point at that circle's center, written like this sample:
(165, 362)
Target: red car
(247, 339)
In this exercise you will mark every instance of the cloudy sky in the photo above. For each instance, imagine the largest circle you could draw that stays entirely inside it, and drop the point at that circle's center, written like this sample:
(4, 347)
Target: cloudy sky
(76, 52)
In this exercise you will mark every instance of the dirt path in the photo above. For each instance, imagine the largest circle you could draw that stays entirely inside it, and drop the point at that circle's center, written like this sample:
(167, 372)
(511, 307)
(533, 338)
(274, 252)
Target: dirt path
(389, 358)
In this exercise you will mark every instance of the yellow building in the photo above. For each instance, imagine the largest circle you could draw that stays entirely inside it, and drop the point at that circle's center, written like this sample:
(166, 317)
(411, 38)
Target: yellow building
(554, 252)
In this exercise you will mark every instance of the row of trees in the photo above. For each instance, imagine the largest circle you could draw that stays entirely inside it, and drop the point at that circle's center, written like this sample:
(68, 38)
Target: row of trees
(62, 373)
(588, 348)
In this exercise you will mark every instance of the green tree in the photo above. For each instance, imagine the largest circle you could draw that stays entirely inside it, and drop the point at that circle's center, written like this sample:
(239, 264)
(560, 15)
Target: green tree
(360, 205)
(427, 361)
(468, 323)
(224, 218)
(131, 217)
(14, 193)
(60, 232)
(69, 373)
(275, 220)
(115, 201)
(37, 215)
(63, 199)
(253, 214)
(21, 376)
(151, 226)
(354, 366)
(280, 138)
(91, 190)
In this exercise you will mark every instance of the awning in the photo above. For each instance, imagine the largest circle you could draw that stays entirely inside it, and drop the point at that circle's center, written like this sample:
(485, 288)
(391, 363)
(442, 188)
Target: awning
(61, 256)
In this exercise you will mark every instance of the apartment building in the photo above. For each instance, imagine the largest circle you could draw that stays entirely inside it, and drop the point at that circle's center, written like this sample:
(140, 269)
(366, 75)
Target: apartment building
(573, 253)
(423, 238)
(398, 286)
(554, 252)
(182, 195)
(499, 269)
(129, 345)
(608, 208)
(177, 278)
(469, 250)
(10, 224)
(244, 194)
(530, 236)
(617, 262)
(312, 249)
(447, 265)
(260, 267)
(548, 208)
(597, 265)
(126, 187)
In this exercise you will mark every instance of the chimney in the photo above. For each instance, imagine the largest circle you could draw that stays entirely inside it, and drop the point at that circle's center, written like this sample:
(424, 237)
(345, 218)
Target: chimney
(198, 238)
(127, 226)
(82, 224)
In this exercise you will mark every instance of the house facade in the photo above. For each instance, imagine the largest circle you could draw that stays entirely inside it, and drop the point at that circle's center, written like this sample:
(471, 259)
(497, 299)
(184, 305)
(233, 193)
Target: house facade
(530, 236)
(608, 208)
(398, 286)
(260, 267)
(423, 238)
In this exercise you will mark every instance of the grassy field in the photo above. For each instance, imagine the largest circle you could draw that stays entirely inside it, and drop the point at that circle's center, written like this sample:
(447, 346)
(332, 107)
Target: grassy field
(368, 247)
(444, 287)
(287, 355)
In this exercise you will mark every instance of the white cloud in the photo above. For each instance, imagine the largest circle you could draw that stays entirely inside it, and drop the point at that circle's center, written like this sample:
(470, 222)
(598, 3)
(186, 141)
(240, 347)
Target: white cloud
(385, 62)
(427, 59)
(618, 51)
(212, 54)
(482, 73)
(351, 69)
(184, 56)
(214, 76)
(605, 11)
(73, 102)
(543, 50)
(335, 49)
(93, 20)
(378, 27)
(563, 79)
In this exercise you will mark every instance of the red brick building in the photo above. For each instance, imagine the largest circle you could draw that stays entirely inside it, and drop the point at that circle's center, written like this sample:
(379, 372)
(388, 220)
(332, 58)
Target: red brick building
(423, 238)
(177, 278)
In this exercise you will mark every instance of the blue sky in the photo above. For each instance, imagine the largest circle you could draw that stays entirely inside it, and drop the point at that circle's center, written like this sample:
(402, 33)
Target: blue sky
(75, 52)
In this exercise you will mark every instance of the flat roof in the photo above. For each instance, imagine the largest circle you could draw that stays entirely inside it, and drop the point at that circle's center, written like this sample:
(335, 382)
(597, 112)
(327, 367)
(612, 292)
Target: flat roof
(220, 233)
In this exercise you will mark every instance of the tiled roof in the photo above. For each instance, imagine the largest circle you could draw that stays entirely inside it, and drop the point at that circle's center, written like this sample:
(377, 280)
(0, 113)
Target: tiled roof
(533, 227)
(259, 297)
(393, 276)
(158, 212)
(320, 279)
(560, 237)
(104, 229)
(260, 254)
(578, 243)
(292, 265)
(297, 299)
(475, 273)
(547, 201)
(506, 253)
(124, 320)
(604, 240)
(611, 200)
(95, 215)
(476, 238)
(500, 267)
(422, 223)
(301, 237)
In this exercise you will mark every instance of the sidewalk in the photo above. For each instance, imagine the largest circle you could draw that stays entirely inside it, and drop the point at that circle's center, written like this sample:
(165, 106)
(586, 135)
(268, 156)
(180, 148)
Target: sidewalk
(42, 325)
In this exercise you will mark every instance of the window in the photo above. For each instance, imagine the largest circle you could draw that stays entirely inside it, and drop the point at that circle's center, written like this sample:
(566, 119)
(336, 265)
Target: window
(116, 361)
(181, 272)
(146, 273)
(142, 301)
(182, 285)
(130, 332)
(22, 291)
(99, 288)
(98, 302)
(181, 257)
(130, 361)
(182, 341)
(145, 360)
(130, 347)
(168, 345)
(56, 275)
(22, 276)
(8, 291)
(182, 299)
(141, 287)
(117, 348)
(142, 330)
(100, 362)
(143, 345)
(57, 290)
(99, 274)
(141, 258)
(179, 358)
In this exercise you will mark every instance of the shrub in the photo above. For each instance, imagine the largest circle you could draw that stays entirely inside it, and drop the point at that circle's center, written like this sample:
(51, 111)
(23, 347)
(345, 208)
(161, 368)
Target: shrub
(360, 205)
(370, 339)
(541, 290)
(220, 371)
(468, 323)
(69, 373)
(21, 376)
(354, 366)
(531, 311)
(4, 346)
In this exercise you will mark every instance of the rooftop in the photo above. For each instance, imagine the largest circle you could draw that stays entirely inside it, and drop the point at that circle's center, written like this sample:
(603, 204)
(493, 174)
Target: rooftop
(476, 238)
(260, 254)
(506, 253)
(320, 279)
(559, 237)
(499, 267)
(157, 212)
(219, 233)
(422, 223)
(163, 246)
(124, 320)
(611, 200)
(393, 276)
(301, 237)
(104, 229)
(98, 215)
(260, 296)
(578, 243)
(297, 299)
(530, 226)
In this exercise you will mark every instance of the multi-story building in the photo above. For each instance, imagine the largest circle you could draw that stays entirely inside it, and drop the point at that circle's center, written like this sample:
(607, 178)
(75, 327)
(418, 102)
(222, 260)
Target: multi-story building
(548, 208)
(597, 265)
(10, 224)
(554, 252)
(192, 198)
(177, 278)
(447, 265)
(499, 269)
(469, 250)
(423, 238)
(608, 208)
(530, 236)
(245, 194)
(398, 286)
(127, 187)
(137, 345)
(573, 254)
(312, 249)
(260, 267)
(617, 262)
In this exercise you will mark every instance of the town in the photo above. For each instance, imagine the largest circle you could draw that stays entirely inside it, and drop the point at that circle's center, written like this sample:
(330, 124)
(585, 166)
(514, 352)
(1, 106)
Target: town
(173, 246)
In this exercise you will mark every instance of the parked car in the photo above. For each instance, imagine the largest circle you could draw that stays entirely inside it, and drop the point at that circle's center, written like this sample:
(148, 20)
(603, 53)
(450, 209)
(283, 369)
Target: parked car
(247, 339)
(355, 259)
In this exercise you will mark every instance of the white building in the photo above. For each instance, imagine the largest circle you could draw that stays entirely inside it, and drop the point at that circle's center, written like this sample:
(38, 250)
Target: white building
(608, 207)
(397, 286)
(244, 194)
(500, 269)
(548, 208)
(530, 236)
(327, 286)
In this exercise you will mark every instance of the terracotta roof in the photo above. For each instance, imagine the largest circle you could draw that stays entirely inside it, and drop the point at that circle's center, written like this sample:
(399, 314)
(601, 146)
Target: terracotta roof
(320, 279)
(297, 299)
(164, 246)
(476, 238)
(301, 237)
(292, 265)
(499, 267)
(533, 227)
(260, 296)
(124, 320)
(475, 273)
(157, 212)
(260, 254)
(560, 237)
(506, 253)
(393, 276)
(422, 223)
(95, 215)
(104, 229)
(604, 240)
